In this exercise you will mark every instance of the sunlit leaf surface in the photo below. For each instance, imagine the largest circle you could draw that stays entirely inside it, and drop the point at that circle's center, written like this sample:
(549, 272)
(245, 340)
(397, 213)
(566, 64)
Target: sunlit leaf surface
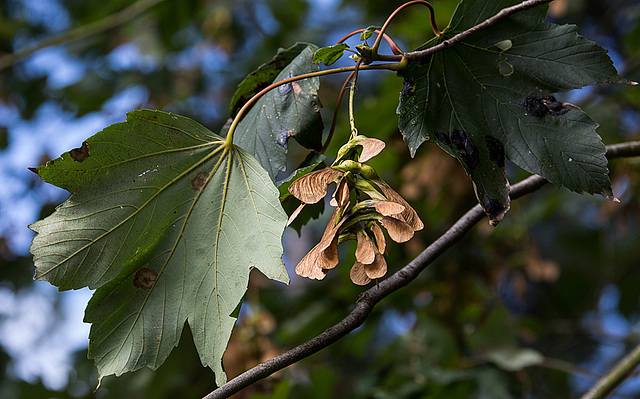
(165, 222)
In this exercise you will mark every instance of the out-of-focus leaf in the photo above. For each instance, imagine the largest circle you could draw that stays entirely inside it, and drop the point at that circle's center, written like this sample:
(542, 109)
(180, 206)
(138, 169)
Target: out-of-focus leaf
(515, 359)
(165, 222)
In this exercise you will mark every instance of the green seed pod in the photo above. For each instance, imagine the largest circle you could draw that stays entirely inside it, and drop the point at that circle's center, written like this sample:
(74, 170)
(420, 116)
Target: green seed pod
(349, 166)
(368, 172)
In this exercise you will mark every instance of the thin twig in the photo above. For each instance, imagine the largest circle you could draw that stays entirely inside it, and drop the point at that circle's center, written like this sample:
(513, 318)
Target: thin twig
(247, 106)
(80, 32)
(428, 52)
(437, 32)
(502, 14)
(612, 380)
(368, 299)
(394, 47)
(334, 120)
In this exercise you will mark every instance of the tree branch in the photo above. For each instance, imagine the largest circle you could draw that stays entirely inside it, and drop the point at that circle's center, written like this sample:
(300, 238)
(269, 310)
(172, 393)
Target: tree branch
(502, 14)
(368, 299)
(607, 384)
(80, 32)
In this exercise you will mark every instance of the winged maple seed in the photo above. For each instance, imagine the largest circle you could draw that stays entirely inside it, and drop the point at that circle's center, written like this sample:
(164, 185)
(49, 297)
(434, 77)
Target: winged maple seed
(374, 204)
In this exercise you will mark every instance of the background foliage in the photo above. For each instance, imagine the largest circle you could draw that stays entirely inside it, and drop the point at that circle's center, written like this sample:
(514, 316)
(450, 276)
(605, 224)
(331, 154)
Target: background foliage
(559, 275)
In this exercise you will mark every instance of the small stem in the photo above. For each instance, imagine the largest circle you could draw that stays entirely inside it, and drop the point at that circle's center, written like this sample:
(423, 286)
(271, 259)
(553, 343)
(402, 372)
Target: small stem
(376, 44)
(394, 47)
(352, 118)
(489, 22)
(256, 97)
(334, 121)
(80, 32)
(607, 384)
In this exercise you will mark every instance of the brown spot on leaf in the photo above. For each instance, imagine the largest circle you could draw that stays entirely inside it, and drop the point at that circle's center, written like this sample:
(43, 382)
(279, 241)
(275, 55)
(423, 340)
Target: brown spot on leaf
(81, 153)
(297, 89)
(35, 170)
(443, 138)
(283, 138)
(467, 151)
(145, 278)
(545, 105)
(286, 88)
(496, 150)
(198, 182)
(408, 88)
(495, 210)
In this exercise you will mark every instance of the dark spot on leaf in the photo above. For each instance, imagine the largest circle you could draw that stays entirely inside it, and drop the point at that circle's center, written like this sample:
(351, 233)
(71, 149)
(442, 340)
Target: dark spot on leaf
(199, 181)
(286, 88)
(535, 106)
(495, 210)
(558, 108)
(407, 89)
(496, 150)
(470, 156)
(467, 151)
(443, 138)
(145, 278)
(283, 138)
(34, 170)
(545, 105)
(80, 154)
(457, 138)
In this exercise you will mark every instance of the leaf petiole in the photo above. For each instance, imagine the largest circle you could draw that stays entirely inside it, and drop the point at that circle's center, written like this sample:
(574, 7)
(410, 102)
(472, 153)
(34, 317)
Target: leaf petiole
(437, 32)
(394, 47)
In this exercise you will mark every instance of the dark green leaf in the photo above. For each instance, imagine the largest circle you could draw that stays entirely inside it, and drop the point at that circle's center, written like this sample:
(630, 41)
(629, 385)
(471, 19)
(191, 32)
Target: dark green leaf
(330, 54)
(165, 222)
(485, 87)
(290, 110)
(368, 32)
(263, 76)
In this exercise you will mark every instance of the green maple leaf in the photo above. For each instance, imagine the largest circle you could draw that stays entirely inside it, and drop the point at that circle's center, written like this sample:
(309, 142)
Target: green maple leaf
(165, 222)
(290, 110)
(490, 97)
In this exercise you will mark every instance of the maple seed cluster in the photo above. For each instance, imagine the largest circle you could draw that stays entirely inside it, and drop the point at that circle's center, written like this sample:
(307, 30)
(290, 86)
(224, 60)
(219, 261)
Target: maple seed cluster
(364, 204)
